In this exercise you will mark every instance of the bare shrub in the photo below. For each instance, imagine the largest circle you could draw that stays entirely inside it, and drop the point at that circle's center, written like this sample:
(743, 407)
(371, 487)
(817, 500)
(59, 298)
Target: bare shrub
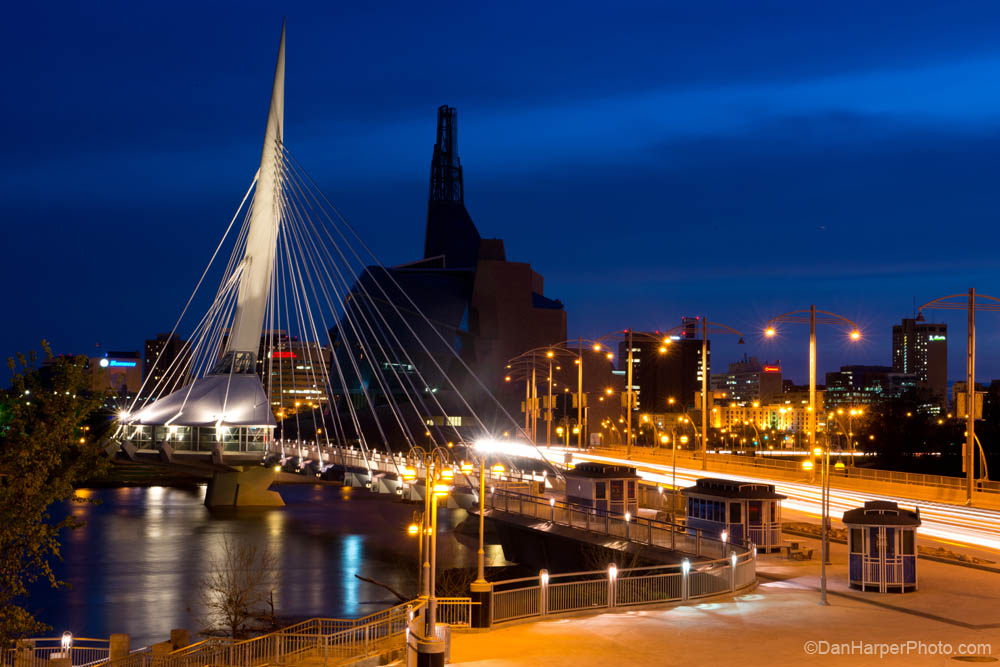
(237, 591)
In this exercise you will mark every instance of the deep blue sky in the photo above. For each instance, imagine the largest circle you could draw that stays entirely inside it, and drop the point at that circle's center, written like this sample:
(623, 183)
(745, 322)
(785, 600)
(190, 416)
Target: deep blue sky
(730, 158)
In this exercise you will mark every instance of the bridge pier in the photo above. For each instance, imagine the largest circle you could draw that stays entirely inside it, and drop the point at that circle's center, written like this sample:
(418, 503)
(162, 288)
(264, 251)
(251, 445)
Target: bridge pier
(243, 487)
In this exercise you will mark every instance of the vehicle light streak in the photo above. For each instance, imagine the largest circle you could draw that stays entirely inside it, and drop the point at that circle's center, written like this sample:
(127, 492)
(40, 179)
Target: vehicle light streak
(957, 523)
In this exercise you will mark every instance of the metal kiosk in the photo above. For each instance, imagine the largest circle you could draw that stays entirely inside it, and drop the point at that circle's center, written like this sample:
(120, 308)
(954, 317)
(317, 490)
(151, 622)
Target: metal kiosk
(747, 512)
(882, 539)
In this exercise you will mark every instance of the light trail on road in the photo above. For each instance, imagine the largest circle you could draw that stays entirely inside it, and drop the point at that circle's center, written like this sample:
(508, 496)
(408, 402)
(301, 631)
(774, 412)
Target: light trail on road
(955, 523)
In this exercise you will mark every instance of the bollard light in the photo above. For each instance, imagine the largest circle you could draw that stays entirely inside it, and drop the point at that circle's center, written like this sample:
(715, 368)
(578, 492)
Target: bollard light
(628, 517)
(277, 468)
(66, 641)
(685, 566)
(552, 502)
(725, 537)
(544, 577)
(733, 558)
(612, 571)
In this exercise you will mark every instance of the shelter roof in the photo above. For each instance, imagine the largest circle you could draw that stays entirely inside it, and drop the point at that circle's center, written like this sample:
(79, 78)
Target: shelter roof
(214, 400)
(720, 487)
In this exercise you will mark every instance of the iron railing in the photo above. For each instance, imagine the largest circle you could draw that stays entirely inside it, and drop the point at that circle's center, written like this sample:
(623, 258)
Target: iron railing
(653, 532)
(599, 590)
(38, 651)
(322, 638)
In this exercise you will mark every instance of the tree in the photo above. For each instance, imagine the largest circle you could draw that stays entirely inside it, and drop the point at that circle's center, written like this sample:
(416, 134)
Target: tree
(237, 590)
(46, 447)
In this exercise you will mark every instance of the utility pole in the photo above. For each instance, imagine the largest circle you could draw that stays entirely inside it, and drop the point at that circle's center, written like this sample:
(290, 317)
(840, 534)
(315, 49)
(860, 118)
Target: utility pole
(548, 409)
(811, 421)
(579, 392)
(704, 393)
(534, 402)
(970, 402)
(628, 395)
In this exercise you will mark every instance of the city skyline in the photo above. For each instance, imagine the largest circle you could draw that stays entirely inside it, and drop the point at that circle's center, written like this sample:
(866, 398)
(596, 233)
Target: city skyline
(804, 191)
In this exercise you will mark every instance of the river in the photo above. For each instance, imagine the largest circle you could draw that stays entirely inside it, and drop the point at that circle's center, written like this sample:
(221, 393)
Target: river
(137, 565)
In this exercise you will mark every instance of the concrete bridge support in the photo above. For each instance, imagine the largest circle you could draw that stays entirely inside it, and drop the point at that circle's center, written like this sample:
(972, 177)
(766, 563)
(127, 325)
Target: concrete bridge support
(243, 487)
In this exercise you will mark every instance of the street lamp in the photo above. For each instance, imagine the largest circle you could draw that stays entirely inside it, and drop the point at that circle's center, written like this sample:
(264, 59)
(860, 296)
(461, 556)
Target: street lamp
(437, 489)
(970, 306)
(480, 584)
(825, 512)
(706, 327)
(800, 317)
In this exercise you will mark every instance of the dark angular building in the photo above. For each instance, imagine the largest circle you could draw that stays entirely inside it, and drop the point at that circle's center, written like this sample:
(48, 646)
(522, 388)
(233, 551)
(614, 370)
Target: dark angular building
(161, 359)
(481, 310)
(676, 373)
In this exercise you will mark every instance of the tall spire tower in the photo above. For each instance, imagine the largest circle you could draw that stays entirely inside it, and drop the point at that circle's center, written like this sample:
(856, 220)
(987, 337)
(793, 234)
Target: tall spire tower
(451, 234)
(262, 237)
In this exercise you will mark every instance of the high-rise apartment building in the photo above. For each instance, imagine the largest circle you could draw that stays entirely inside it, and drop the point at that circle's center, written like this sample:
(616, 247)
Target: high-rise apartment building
(659, 376)
(748, 380)
(921, 349)
(161, 356)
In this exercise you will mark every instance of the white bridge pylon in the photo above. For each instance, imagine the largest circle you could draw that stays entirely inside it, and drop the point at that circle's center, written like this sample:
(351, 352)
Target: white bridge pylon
(306, 328)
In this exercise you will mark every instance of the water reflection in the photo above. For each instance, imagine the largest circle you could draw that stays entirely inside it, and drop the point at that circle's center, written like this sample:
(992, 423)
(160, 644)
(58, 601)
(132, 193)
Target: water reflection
(137, 564)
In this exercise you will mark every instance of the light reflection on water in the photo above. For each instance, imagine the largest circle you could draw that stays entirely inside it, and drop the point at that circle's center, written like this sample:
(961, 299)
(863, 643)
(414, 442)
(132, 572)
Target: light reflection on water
(136, 566)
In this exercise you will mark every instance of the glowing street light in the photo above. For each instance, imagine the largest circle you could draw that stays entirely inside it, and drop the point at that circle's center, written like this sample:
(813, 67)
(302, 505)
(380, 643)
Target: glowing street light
(809, 317)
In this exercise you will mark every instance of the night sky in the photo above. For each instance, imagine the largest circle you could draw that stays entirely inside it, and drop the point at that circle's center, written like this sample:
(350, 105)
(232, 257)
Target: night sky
(733, 159)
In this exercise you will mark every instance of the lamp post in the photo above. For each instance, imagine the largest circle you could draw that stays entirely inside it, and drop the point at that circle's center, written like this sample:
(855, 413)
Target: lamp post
(971, 305)
(437, 488)
(530, 359)
(799, 317)
(706, 327)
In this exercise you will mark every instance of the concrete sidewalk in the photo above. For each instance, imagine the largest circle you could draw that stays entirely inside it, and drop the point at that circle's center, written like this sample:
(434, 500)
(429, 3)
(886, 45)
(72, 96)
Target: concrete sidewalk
(771, 625)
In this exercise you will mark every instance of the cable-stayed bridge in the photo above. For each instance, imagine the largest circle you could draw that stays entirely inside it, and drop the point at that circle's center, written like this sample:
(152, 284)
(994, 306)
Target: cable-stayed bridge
(308, 335)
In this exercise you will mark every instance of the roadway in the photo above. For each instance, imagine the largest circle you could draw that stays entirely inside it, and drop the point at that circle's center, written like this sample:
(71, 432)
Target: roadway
(947, 525)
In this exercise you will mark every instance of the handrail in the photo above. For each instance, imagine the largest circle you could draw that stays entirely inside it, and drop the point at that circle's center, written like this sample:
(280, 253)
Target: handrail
(600, 590)
(647, 525)
(324, 637)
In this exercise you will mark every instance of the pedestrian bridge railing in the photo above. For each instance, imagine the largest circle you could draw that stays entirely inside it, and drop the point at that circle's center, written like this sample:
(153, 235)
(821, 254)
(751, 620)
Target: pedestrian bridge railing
(653, 532)
(601, 590)
(38, 651)
(328, 639)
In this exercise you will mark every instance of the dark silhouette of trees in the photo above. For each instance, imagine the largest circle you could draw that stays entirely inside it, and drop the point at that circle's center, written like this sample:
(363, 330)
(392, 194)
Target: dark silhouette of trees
(46, 448)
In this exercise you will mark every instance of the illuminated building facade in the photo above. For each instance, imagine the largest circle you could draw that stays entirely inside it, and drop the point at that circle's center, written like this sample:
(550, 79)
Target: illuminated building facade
(852, 386)
(921, 349)
(748, 380)
(120, 372)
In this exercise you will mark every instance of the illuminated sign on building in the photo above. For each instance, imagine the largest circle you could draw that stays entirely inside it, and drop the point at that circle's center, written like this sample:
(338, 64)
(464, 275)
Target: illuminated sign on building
(772, 369)
(935, 337)
(283, 355)
(115, 363)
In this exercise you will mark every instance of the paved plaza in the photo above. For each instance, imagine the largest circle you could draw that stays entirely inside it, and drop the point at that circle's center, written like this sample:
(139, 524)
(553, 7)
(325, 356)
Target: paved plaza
(772, 625)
